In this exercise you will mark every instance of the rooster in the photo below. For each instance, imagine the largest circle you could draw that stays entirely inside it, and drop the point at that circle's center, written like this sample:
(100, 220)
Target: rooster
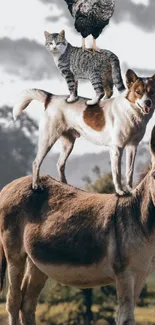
(91, 16)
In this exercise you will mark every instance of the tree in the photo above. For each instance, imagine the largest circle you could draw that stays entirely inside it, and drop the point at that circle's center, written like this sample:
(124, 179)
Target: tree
(102, 184)
(17, 143)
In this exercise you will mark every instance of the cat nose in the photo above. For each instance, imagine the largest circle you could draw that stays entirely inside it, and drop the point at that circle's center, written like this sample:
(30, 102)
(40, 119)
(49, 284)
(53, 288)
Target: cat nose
(148, 102)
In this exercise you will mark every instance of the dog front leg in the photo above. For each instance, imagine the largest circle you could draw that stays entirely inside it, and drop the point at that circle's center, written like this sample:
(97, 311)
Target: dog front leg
(130, 159)
(115, 157)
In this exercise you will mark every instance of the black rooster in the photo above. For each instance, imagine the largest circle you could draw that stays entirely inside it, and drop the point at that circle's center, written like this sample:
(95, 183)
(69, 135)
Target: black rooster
(91, 16)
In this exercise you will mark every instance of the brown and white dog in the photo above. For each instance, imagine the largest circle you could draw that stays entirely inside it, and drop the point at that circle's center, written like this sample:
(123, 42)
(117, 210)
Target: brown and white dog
(117, 123)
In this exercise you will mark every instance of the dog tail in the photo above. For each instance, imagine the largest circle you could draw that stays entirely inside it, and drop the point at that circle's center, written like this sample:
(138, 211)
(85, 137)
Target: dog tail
(27, 96)
(3, 266)
(116, 73)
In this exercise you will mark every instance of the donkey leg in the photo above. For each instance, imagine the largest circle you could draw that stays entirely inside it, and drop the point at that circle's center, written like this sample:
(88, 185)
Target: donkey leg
(32, 285)
(140, 281)
(67, 142)
(15, 276)
(125, 295)
(48, 135)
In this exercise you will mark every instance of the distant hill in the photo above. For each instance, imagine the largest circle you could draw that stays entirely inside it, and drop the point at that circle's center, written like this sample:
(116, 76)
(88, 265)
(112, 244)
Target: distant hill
(80, 166)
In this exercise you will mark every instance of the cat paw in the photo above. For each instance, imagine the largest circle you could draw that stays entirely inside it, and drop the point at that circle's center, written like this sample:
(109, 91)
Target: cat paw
(93, 101)
(72, 99)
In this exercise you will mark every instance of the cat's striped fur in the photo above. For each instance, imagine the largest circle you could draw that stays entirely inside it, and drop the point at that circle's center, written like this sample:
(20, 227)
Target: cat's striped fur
(101, 68)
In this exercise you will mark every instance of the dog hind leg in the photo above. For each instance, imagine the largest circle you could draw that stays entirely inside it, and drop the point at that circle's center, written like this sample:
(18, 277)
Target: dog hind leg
(67, 143)
(49, 133)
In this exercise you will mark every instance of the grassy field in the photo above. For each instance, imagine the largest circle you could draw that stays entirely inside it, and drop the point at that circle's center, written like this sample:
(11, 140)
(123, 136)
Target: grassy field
(143, 315)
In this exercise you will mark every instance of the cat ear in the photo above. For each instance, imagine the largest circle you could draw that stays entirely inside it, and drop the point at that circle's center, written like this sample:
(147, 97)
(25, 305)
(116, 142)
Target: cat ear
(47, 34)
(131, 77)
(153, 77)
(62, 33)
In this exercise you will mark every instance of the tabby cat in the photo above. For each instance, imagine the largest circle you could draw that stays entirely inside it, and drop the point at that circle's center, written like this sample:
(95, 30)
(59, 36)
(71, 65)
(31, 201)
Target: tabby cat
(101, 68)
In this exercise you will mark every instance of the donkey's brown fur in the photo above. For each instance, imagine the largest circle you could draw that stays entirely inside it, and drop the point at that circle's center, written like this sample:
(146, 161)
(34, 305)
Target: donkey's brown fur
(77, 238)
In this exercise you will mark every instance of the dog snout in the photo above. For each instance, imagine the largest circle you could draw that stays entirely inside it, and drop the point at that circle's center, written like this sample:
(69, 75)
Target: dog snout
(148, 102)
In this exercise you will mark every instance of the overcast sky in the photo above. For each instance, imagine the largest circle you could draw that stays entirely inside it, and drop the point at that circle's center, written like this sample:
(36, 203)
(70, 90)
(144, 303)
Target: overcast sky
(24, 61)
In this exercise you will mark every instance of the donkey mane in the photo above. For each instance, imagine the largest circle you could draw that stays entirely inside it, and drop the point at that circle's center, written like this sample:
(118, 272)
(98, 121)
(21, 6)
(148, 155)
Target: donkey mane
(143, 173)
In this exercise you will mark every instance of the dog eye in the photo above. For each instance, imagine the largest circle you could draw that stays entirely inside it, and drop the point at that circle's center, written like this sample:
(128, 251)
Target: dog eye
(139, 92)
(151, 92)
(153, 175)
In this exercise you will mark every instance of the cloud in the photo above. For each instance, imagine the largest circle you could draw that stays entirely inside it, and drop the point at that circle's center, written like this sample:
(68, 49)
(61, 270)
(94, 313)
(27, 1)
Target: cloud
(62, 6)
(26, 59)
(139, 14)
(141, 72)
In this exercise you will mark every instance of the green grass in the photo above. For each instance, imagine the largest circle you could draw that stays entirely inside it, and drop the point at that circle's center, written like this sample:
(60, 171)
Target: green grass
(143, 315)
(151, 282)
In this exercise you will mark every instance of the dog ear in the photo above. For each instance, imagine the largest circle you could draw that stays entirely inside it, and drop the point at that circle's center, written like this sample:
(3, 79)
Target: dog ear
(47, 34)
(152, 142)
(131, 77)
(62, 33)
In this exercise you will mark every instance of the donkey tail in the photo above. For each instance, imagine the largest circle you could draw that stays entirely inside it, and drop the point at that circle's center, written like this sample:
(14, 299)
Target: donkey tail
(116, 73)
(27, 96)
(3, 265)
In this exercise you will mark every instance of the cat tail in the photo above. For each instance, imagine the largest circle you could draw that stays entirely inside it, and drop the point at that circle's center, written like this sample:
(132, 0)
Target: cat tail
(27, 96)
(116, 73)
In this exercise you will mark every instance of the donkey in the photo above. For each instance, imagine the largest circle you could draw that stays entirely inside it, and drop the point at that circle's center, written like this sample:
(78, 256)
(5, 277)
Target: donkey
(77, 238)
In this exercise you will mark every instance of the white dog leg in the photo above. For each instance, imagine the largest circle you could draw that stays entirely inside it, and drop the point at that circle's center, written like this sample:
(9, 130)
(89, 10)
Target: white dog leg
(115, 156)
(130, 159)
(67, 142)
(48, 135)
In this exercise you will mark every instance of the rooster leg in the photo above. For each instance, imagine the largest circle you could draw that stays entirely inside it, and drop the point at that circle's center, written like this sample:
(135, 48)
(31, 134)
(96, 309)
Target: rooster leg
(94, 46)
(83, 44)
